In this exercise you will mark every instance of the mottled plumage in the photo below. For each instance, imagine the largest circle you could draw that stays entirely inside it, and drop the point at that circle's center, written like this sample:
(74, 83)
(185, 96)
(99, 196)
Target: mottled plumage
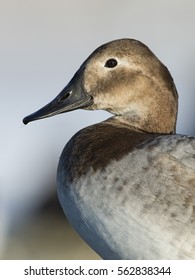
(127, 184)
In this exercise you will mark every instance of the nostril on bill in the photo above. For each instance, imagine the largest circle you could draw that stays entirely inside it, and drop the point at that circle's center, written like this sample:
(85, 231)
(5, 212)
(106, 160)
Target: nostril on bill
(64, 96)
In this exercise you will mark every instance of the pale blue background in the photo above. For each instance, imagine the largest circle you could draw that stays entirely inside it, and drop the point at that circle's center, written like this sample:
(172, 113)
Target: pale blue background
(42, 43)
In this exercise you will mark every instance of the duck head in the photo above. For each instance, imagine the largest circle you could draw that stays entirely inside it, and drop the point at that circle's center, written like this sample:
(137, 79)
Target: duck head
(126, 79)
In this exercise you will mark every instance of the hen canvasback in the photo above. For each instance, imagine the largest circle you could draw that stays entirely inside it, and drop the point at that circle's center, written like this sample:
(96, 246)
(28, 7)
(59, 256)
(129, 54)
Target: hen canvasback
(127, 184)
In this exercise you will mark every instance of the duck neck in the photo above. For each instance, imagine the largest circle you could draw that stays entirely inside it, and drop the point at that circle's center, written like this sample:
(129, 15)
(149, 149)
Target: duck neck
(120, 122)
(142, 127)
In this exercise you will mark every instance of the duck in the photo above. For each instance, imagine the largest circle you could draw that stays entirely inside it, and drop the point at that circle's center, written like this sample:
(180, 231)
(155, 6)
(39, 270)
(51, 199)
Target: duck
(127, 184)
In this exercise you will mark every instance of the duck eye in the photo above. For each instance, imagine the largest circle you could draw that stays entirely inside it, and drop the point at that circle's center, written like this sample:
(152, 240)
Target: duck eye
(111, 63)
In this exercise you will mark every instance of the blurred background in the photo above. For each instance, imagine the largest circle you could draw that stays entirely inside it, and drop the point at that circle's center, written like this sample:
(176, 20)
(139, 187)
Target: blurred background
(43, 42)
